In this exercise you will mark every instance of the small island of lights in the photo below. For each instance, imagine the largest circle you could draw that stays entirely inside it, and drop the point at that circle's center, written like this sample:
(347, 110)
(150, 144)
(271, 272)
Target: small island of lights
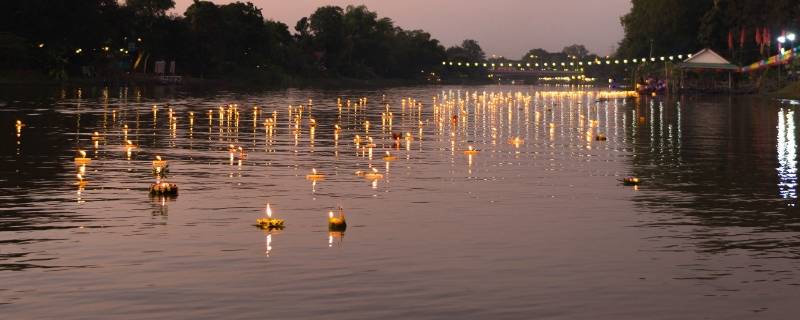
(389, 157)
(314, 175)
(82, 160)
(600, 137)
(163, 189)
(337, 222)
(516, 141)
(471, 151)
(269, 222)
(631, 181)
(372, 174)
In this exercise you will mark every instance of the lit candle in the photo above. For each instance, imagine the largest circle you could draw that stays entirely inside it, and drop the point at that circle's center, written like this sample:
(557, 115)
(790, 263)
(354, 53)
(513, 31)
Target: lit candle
(314, 175)
(269, 222)
(82, 160)
(19, 126)
(389, 157)
(373, 175)
(471, 151)
(337, 223)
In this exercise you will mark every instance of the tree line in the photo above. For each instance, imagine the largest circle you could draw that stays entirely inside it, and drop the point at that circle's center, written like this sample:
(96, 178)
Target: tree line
(64, 37)
(741, 30)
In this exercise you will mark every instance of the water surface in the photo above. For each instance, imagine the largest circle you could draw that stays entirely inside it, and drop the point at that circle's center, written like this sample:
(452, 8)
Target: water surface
(539, 230)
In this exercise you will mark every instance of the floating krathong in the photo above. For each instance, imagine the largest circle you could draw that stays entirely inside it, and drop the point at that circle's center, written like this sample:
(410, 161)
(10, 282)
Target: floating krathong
(82, 160)
(389, 157)
(471, 151)
(338, 222)
(600, 137)
(516, 141)
(269, 222)
(314, 175)
(373, 175)
(163, 189)
(631, 181)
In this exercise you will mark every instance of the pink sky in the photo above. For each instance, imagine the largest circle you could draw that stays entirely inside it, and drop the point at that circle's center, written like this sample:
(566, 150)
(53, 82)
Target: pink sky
(503, 27)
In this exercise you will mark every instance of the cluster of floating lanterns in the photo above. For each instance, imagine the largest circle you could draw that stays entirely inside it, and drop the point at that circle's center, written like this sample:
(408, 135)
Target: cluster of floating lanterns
(448, 109)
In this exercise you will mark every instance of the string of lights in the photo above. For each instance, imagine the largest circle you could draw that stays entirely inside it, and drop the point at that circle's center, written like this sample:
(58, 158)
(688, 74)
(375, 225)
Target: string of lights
(595, 62)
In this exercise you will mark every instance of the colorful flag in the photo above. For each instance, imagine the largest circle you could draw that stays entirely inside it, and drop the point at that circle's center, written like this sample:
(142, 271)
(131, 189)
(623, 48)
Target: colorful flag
(730, 40)
(758, 37)
(741, 38)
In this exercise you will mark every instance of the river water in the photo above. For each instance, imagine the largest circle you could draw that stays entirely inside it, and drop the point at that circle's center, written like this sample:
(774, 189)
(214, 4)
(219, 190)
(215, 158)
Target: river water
(542, 229)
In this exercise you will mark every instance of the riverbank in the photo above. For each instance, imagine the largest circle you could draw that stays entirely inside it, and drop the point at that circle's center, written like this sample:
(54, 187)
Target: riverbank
(28, 78)
(791, 91)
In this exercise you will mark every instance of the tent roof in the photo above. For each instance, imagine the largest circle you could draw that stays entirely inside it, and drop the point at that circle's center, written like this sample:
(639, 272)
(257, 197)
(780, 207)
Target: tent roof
(707, 59)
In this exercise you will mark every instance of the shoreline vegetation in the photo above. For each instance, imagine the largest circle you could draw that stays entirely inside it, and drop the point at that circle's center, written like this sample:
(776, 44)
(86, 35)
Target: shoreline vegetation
(111, 42)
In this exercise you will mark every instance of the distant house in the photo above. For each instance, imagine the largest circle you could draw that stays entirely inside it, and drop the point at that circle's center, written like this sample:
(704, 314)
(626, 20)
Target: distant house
(706, 71)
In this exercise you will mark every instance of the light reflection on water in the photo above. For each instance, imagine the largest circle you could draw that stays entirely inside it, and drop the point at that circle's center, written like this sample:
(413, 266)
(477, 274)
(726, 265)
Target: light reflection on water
(540, 228)
(787, 154)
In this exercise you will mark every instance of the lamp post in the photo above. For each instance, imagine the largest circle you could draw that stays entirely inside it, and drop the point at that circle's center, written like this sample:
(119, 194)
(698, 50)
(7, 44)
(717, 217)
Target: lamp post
(781, 40)
(791, 37)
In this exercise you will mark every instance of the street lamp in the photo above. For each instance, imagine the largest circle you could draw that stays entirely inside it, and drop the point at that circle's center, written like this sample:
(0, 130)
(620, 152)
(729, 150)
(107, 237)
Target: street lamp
(782, 39)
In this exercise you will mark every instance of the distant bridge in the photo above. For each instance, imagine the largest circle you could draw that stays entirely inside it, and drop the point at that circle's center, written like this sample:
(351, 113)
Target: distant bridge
(530, 73)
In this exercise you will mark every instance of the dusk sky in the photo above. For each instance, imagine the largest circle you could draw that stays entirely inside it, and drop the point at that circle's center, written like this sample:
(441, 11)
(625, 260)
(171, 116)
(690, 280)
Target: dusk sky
(506, 27)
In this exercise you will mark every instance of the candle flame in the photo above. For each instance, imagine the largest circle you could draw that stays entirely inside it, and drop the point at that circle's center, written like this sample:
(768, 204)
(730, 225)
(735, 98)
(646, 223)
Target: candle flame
(158, 158)
(314, 170)
(330, 214)
(269, 211)
(83, 153)
(80, 177)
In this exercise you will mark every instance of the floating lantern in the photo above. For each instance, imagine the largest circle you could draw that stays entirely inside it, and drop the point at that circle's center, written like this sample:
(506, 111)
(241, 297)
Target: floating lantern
(370, 144)
(471, 151)
(160, 167)
(82, 160)
(600, 137)
(158, 162)
(19, 126)
(314, 175)
(164, 189)
(389, 157)
(269, 222)
(631, 181)
(373, 175)
(338, 222)
(516, 141)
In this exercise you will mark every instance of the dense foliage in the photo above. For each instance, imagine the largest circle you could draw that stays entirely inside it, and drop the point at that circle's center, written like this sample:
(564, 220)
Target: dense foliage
(742, 30)
(106, 38)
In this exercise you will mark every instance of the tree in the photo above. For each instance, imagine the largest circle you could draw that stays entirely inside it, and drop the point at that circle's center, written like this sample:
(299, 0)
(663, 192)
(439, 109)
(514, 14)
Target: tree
(666, 26)
(576, 50)
(327, 27)
(151, 8)
(469, 51)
